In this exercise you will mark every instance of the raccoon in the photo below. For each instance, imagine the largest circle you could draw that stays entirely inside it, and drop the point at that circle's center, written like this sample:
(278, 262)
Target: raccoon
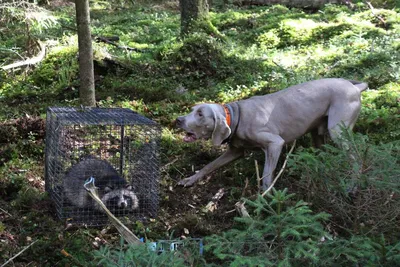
(113, 190)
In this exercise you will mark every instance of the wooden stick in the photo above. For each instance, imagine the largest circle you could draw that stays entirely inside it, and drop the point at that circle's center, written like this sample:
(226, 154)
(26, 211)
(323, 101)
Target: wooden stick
(258, 176)
(376, 15)
(122, 229)
(30, 61)
(6, 212)
(282, 169)
(19, 253)
(212, 205)
(241, 209)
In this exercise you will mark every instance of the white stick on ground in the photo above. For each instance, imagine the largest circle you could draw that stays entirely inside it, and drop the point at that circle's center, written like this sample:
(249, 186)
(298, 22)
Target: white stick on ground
(19, 253)
(212, 205)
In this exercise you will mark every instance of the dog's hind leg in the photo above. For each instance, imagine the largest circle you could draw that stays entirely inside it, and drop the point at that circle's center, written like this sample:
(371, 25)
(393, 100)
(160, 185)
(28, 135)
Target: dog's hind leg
(342, 116)
(340, 119)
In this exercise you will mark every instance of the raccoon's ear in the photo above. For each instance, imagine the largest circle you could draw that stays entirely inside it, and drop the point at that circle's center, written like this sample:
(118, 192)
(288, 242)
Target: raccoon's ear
(128, 187)
(107, 189)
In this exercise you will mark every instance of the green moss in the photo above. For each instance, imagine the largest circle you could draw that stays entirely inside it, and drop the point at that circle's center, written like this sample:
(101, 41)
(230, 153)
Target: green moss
(379, 115)
(269, 39)
(294, 32)
(60, 67)
(389, 96)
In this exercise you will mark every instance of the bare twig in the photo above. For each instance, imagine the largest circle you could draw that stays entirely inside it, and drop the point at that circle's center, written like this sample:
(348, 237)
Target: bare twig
(376, 15)
(111, 41)
(6, 212)
(230, 211)
(168, 164)
(281, 171)
(245, 187)
(12, 51)
(258, 176)
(19, 253)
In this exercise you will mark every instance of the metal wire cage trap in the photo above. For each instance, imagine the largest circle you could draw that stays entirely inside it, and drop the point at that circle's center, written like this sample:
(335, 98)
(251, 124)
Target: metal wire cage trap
(117, 147)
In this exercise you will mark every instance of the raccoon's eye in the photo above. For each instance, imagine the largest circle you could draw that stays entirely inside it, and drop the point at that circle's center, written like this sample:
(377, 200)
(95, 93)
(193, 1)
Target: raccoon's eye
(128, 187)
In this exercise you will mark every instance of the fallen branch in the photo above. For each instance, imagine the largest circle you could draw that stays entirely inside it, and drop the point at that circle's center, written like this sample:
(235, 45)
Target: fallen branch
(163, 168)
(19, 253)
(6, 212)
(112, 41)
(212, 205)
(246, 184)
(122, 229)
(30, 61)
(376, 15)
(281, 171)
(241, 209)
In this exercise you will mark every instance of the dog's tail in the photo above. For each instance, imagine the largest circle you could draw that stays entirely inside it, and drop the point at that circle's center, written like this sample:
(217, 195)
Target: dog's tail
(360, 85)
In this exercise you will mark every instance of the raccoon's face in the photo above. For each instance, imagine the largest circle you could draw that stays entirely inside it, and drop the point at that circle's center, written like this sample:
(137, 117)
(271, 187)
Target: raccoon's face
(120, 198)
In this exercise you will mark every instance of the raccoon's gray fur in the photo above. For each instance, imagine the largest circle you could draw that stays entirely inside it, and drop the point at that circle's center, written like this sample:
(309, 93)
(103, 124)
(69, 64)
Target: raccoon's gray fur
(113, 190)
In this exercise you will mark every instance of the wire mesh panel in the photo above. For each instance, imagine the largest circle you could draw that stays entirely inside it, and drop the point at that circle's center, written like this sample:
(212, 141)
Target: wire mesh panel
(117, 147)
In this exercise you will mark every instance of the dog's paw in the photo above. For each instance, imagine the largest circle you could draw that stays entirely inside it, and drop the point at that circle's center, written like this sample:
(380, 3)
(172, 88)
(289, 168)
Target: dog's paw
(187, 182)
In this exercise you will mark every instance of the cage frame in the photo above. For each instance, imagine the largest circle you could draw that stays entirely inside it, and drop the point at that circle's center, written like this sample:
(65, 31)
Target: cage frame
(62, 121)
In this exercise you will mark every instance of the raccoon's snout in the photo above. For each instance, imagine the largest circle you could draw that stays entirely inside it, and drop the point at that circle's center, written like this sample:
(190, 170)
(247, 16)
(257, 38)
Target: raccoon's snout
(123, 203)
(121, 199)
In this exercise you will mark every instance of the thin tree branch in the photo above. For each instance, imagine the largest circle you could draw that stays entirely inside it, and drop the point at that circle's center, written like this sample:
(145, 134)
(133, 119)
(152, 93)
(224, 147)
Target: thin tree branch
(19, 253)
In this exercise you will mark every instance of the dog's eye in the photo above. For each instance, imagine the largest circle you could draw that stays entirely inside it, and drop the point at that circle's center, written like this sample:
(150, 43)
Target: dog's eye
(200, 113)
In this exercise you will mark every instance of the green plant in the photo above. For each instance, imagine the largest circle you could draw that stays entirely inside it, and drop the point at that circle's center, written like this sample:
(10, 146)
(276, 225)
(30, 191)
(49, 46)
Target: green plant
(148, 254)
(279, 231)
(357, 183)
(359, 250)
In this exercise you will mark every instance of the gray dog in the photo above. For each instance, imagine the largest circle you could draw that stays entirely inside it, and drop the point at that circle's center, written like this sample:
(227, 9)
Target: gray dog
(268, 122)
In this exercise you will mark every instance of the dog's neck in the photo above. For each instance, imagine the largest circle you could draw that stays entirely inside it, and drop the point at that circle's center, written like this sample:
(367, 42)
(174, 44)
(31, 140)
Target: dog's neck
(232, 119)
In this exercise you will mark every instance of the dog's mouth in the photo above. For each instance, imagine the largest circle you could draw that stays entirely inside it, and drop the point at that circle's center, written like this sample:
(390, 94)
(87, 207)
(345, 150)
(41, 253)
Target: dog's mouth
(190, 137)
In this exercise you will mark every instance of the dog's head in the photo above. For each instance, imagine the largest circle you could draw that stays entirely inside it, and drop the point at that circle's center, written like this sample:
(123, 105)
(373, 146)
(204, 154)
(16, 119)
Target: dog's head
(204, 122)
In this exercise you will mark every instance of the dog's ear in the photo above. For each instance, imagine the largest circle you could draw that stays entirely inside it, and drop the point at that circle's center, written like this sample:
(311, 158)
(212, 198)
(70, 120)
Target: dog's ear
(221, 129)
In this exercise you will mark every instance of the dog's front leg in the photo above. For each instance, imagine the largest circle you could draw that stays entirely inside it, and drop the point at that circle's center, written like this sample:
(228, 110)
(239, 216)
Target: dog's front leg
(272, 150)
(230, 154)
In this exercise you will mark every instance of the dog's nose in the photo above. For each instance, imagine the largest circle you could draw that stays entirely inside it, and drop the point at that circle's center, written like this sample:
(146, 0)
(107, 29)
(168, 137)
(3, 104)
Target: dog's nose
(179, 121)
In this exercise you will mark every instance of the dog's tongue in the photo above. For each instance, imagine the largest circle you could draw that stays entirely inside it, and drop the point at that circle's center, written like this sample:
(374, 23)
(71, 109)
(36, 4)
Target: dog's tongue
(189, 137)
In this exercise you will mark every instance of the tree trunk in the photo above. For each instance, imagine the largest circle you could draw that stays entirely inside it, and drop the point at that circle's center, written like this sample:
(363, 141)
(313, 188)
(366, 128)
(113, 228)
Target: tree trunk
(290, 3)
(86, 71)
(191, 11)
